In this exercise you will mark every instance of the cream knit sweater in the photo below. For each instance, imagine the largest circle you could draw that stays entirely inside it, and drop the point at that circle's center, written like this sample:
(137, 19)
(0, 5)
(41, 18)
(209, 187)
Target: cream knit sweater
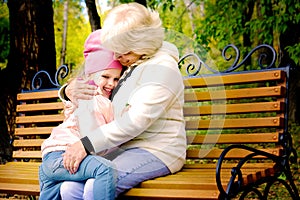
(148, 111)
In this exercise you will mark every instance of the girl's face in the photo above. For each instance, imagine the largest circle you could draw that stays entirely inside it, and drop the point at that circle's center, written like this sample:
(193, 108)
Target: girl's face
(128, 58)
(107, 80)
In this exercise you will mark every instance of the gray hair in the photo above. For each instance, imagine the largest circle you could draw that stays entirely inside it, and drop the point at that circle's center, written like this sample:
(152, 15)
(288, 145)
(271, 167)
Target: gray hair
(132, 27)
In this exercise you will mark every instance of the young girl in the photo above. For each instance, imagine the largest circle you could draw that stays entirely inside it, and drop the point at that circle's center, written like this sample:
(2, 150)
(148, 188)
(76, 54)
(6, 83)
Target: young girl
(103, 71)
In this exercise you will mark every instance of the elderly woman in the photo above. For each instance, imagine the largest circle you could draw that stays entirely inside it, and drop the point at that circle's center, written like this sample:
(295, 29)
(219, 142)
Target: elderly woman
(148, 105)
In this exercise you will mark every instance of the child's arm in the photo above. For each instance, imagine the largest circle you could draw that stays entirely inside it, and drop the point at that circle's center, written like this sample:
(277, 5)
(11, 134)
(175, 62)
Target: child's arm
(69, 108)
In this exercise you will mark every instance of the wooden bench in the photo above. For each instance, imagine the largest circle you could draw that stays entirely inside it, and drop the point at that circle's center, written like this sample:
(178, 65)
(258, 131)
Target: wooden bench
(38, 112)
(237, 133)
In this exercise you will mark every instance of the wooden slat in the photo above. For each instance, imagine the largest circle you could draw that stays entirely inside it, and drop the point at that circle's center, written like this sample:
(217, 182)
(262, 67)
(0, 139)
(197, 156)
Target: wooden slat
(23, 173)
(234, 123)
(26, 189)
(40, 106)
(234, 108)
(239, 78)
(28, 143)
(40, 118)
(201, 166)
(33, 131)
(215, 153)
(37, 95)
(208, 173)
(275, 91)
(233, 138)
(13, 178)
(15, 167)
(169, 193)
(195, 183)
(27, 154)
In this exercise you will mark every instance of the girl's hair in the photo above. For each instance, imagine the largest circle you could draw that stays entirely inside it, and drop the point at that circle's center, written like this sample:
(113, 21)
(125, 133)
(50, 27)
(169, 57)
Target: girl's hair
(132, 27)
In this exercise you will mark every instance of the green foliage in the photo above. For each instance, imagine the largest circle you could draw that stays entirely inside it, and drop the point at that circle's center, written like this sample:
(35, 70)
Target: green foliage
(225, 22)
(165, 5)
(294, 52)
(77, 32)
(4, 34)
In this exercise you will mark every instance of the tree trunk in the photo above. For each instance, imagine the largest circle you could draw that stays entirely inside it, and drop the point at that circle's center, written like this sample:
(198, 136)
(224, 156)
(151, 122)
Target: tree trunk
(32, 48)
(247, 14)
(289, 38)
(143, 2)
(191, 7)
(64, 36)
(267, 6)
(94, 18)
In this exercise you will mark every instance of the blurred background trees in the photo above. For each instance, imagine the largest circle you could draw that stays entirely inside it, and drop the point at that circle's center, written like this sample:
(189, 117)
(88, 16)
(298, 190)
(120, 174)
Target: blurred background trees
(41, 35)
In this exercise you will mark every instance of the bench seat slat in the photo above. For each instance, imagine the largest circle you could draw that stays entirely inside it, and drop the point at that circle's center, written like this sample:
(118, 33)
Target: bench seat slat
(23, 189)
(209, 173)
(18, 168)
(12, 165)
(156, 193)
(207, 183)
(20, 179)
(205, 166)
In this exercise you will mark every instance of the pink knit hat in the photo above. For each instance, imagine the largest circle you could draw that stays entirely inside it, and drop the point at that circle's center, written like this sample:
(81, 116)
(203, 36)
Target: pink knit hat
(97, 58)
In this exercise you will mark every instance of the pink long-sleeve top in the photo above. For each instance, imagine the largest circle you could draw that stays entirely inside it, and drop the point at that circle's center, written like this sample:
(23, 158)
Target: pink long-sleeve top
(78, 122)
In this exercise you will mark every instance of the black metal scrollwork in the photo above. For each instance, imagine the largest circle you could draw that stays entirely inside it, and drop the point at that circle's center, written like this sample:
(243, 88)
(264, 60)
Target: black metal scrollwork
(61, 73)
(195, 64)
(262, 56)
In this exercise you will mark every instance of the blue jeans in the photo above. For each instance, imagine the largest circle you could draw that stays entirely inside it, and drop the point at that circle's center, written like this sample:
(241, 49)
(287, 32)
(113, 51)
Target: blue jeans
(134, 166)
(52, 174)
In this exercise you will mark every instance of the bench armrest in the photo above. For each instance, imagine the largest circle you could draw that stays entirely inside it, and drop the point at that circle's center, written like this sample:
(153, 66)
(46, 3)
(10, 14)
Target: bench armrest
(233, 186)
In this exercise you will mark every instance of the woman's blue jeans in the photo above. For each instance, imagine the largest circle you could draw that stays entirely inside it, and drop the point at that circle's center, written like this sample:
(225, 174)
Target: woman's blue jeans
(52, 174)
(133, 165)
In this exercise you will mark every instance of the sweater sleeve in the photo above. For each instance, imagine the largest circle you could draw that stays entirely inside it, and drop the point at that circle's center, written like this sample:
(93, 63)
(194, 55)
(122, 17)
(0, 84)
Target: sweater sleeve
(151, 104)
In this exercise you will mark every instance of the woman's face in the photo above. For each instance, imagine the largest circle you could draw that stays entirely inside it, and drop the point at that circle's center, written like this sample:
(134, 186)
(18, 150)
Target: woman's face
(107, 80)
(128, 58)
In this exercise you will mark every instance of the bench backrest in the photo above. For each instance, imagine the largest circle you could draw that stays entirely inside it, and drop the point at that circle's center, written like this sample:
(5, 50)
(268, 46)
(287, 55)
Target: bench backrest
(37, 113)
(221, 109)
(236, 108)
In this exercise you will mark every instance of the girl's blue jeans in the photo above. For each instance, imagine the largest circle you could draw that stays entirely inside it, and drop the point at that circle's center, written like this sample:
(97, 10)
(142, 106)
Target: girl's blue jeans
(52, 174)
(133, 165)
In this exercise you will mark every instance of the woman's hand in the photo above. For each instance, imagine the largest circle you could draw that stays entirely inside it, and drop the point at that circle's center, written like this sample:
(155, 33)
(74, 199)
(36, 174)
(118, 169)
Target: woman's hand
(73, 156)
(80, 89)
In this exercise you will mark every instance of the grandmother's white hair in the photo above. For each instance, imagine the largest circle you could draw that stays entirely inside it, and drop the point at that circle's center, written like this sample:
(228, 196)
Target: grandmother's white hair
(132, 27)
